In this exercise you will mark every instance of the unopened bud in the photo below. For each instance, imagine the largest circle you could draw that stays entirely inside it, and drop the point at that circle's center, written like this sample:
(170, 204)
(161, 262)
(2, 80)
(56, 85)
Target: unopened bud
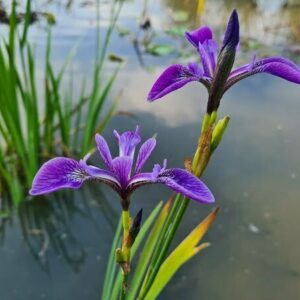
(218, 133)
(135, 228)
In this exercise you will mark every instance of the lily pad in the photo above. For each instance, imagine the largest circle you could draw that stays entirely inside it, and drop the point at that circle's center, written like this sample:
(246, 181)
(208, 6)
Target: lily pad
(180, 16)
(123, 31)
(160, 50)
(176, 31)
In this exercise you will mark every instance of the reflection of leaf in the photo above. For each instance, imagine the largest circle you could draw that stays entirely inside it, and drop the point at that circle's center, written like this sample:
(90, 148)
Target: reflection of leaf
(185, 251)
(4, 214)
(160, 50)
(176, 31)
(180, 16)
(123, 31)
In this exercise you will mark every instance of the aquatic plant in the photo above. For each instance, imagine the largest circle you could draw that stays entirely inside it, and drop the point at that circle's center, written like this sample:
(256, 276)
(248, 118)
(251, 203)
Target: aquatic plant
(217, 76)
(121, 176)
(154, 269)
(35, 126)
(215, 71)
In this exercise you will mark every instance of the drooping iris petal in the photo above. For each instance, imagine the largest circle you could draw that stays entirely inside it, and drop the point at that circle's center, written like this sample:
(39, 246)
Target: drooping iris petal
(122, 168)
(173, 78)
(280, 67)
(58, 173)
(128, 141)
(277, 66)
(199, 35)
(186, 184)
(232, 33)
(178, 180)
(104, 150)
(144, 153)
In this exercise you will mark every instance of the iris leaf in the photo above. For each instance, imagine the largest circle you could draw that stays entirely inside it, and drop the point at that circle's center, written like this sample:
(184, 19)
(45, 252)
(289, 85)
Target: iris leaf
(147, 252)
(185, 251)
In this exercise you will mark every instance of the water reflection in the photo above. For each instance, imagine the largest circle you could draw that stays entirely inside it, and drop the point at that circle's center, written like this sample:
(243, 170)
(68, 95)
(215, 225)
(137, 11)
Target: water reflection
(267, 22)
(47, 224)
(255, 174)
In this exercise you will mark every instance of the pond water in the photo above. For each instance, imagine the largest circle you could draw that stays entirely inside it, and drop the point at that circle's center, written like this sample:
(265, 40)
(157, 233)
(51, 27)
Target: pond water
(57, 247)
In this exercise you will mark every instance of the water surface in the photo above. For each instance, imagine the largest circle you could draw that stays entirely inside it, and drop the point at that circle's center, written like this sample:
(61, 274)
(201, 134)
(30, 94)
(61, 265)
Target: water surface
(57, 248)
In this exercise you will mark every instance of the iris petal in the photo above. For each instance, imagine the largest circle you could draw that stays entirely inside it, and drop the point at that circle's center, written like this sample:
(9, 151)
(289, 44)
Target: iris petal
(128, 141)
(199, 35)
(122, 169)
(104, 150)
(58, 173)
(277, 66)
(144, 153)
(186, 184)
(177, 180)
(173, 78)
(62, 172)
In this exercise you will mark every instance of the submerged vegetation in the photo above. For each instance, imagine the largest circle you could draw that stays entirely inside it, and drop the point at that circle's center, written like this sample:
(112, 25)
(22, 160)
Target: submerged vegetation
(35, 124)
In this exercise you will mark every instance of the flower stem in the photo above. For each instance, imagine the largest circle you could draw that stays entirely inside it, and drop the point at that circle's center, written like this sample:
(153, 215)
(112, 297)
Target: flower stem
(123, 253)
(199, 163)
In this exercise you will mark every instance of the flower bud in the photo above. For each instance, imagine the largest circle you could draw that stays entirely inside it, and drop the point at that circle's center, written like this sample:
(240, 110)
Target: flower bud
(135, 228)
(218, 133)
(225, 63)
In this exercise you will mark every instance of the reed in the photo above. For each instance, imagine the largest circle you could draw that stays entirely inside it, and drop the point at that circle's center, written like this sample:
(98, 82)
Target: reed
(34, 127)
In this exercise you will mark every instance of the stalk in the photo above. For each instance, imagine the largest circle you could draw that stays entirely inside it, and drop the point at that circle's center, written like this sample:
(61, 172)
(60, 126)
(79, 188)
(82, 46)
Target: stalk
(200, 160)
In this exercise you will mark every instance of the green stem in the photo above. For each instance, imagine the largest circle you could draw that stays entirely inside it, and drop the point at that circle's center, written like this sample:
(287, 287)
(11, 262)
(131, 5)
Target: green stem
(124, 253)
(124, 287)
(200, 160)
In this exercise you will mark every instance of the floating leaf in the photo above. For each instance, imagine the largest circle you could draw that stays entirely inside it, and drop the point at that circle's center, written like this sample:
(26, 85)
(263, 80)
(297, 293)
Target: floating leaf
(176, 31)
(160, 50)
(123, 31)
(186, 250)
(180, 16)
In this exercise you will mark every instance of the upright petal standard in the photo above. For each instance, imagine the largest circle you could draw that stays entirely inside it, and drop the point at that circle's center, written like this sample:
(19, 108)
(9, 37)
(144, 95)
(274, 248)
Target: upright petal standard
(121, 174)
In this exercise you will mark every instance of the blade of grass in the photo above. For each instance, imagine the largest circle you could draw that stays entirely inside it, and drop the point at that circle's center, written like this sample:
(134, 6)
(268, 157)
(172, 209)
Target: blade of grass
(183, 252)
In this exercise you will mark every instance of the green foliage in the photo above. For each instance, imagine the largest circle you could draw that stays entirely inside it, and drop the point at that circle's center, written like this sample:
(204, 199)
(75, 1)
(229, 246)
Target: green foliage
(185, 251)
(34, 128)
(160, 50)
(144, 230)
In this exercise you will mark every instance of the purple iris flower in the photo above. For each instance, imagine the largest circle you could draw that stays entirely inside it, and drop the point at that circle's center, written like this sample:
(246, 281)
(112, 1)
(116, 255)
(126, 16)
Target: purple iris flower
(215, 71)
(121, 174)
